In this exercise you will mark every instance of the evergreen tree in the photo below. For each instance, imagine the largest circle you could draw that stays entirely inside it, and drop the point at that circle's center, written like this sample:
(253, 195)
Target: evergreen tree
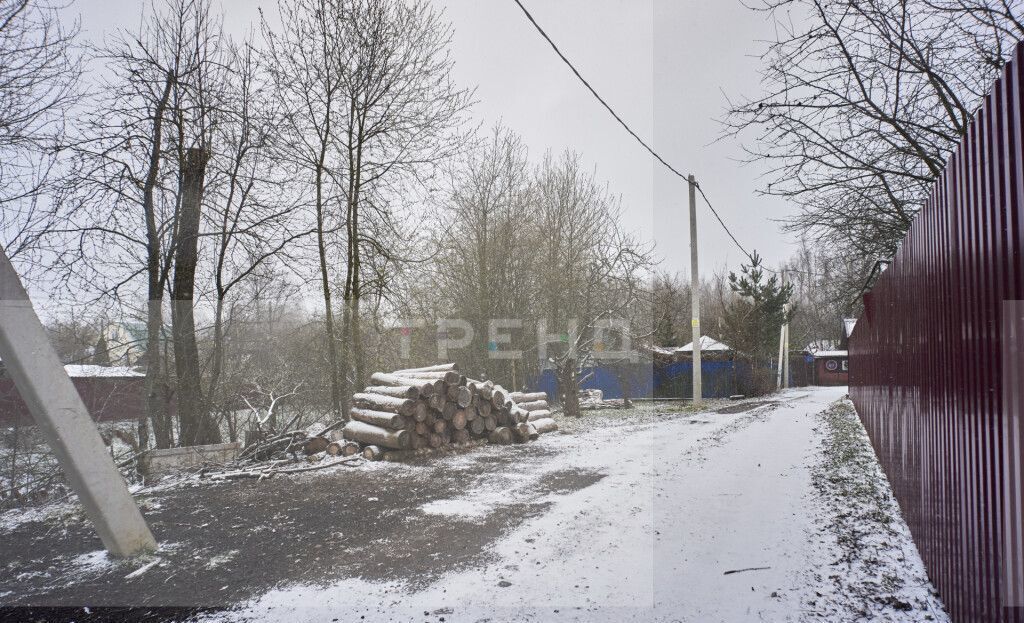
(101, 353)
(751, 321)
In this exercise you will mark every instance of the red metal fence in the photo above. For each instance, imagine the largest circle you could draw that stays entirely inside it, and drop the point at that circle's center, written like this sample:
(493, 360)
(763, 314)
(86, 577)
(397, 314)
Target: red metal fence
(936, 372)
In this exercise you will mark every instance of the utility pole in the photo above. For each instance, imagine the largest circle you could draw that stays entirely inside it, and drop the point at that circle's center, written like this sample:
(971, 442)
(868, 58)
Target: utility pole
(782, 347)
(782, 380)
(60, 414)
(785, 365)
(695, 293)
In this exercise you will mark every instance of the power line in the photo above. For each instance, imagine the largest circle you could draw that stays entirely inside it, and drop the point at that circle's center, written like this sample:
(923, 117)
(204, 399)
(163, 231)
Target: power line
(722, 223)
(594, 93)
(626, 126)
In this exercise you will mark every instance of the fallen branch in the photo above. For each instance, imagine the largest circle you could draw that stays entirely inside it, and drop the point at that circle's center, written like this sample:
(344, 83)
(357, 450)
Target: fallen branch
(330, 427)
(268, 473)
(731, 571)
(144, 568)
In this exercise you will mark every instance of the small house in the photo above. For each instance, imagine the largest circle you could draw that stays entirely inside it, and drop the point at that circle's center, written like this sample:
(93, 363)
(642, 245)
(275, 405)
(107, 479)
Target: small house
(831, 367)
(710, 348)
(110, 393)
(830, 357)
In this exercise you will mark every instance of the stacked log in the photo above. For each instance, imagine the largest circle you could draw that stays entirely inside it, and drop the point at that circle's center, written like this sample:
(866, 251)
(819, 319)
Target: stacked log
(434, 407)
(535, 414)
(612, 403)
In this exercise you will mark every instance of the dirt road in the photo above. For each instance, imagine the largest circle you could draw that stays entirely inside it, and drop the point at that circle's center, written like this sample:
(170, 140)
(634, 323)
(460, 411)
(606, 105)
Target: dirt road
(708, 517)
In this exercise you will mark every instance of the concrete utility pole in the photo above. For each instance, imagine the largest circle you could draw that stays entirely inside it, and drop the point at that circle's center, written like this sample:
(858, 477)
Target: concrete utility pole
(782, 347)
(60, 414)
(695, 293)
(785, 365)
(782, 379)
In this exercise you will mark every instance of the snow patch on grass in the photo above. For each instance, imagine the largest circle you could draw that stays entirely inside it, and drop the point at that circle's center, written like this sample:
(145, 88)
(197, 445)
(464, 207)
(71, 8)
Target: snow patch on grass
(216, 561)
(876, 572)
(480, 501)
(92, 562)
(464, 508)
(16, 517)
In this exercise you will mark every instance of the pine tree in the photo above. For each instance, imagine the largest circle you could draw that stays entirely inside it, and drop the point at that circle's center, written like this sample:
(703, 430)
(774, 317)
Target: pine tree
(751, 322)
(101, 353)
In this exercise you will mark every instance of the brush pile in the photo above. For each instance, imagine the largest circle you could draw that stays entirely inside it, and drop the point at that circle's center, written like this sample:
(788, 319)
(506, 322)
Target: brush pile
(422, 409)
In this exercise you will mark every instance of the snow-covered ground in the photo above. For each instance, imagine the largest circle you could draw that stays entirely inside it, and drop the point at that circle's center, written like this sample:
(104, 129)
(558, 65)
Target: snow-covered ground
(711, 517)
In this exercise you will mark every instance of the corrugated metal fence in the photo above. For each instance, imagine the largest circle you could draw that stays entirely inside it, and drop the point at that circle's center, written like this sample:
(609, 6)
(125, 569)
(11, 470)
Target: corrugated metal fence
(936, 373)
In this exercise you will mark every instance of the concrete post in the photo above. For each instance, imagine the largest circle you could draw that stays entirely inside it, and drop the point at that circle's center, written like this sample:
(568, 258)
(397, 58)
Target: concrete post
(62, 417)
(698, 392)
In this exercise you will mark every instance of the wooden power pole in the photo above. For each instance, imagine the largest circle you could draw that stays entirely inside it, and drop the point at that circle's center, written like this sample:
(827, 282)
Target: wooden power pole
(63, 419)
(695, 293)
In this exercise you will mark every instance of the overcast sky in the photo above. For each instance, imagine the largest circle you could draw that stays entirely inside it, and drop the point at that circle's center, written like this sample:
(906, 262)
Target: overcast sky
(665, 65)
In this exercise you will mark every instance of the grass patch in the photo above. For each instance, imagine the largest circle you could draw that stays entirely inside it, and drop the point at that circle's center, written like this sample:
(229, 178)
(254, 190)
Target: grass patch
(872, 576)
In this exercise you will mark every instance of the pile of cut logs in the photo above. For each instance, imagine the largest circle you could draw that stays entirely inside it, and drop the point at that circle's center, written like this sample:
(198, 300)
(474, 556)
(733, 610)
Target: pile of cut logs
(435, 407)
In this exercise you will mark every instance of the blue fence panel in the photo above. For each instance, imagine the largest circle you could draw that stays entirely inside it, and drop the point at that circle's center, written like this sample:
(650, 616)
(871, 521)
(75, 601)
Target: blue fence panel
(673, 380)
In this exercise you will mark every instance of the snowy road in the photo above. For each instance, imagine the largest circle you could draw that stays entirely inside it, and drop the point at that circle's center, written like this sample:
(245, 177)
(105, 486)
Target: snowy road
(776, 513)
(703, 518)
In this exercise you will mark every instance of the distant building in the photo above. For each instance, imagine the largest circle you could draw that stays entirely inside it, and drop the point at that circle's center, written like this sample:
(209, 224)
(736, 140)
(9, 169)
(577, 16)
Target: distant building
(110, 393)
(831, 367)
(831, 359)
(709, 347)
(125, 343)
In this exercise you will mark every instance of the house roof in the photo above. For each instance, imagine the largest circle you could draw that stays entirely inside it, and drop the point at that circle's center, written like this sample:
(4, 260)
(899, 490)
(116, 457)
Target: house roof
(818, 345)
(831, 353)
(706, 343)
(90, 371)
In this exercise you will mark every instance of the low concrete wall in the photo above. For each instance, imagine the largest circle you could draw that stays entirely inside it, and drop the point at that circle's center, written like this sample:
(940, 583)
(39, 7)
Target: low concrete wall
(159, 462)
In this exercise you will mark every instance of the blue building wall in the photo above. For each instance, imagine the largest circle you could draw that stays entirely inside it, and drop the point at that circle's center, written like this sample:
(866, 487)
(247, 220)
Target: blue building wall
(673, 380)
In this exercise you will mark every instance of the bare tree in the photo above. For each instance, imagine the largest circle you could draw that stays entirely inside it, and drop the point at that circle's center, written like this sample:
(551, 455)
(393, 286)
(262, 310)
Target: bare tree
(670, 304)
(401, 116)
(154, 104)
(304, 61)
(588, 269)
(864, 100)
(484, 263)
(39, 79)
(369, 105)
(253, 218)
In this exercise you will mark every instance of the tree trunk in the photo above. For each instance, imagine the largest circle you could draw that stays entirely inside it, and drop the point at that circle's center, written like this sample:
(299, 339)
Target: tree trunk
(197, 426)
(397, 392)
(545, 426)
(325, 284)
(569, 388)
(502, 435)
(450, 377)
(383, 419)
(522, 397)
(156, 398)
(369, 434)
(442, 367)
(217, 363)
(401, 406)
(425, 386)
(536, 405)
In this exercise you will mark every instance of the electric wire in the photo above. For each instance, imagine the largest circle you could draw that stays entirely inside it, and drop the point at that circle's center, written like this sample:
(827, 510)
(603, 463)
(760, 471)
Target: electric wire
(643, 143)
